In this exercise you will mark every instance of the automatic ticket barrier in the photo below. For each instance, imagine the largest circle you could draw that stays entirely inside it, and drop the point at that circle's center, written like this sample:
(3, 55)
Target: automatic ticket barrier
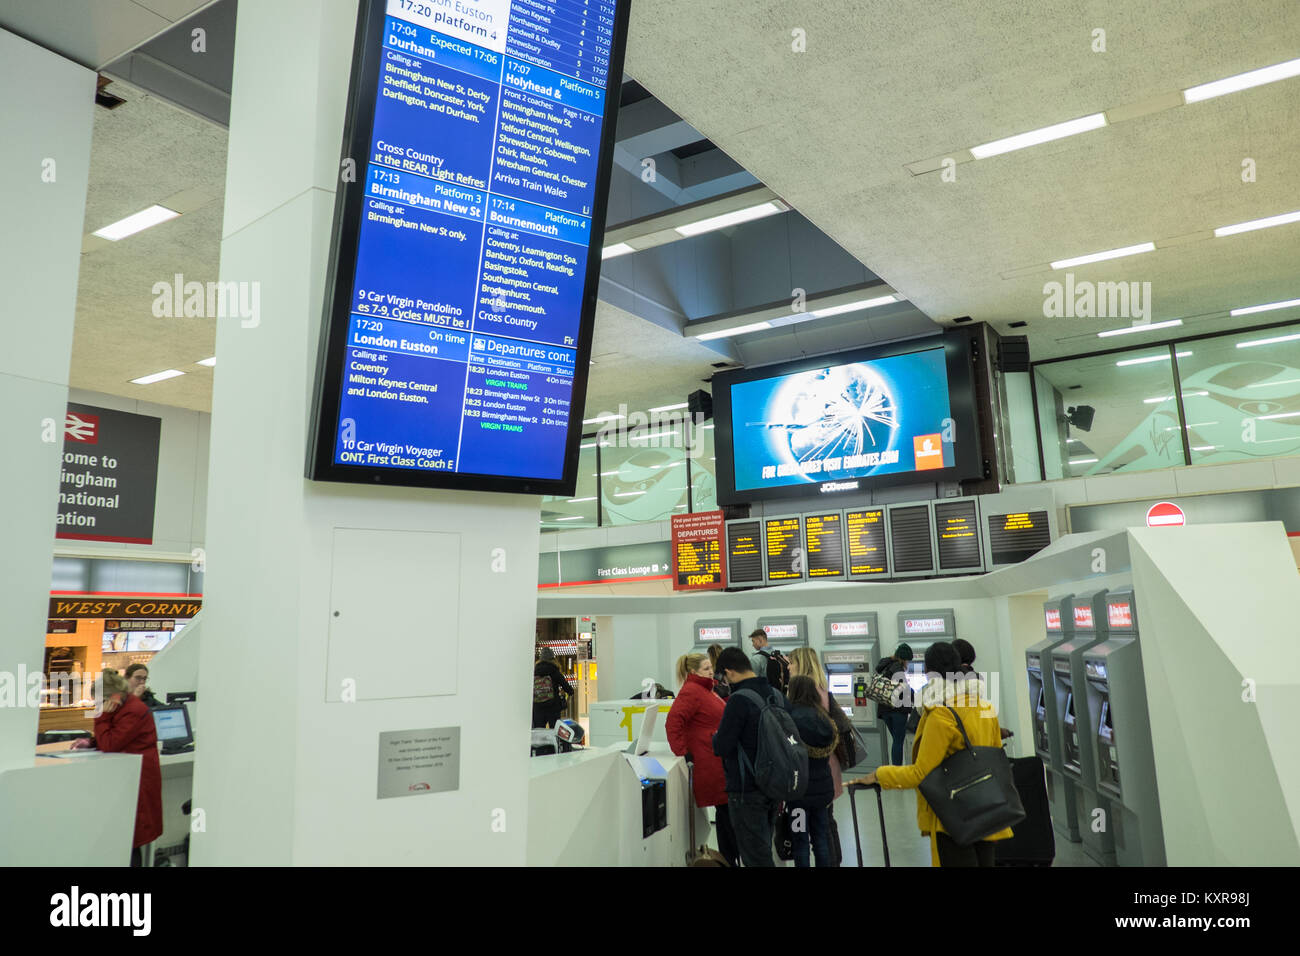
(1121, 735)
(1047, 711)
(850, 656)
(1078, 755)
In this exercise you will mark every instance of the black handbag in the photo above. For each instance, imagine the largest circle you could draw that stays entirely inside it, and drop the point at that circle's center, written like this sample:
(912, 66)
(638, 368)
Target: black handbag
(846, 750)
(783, 834)
(973, 792)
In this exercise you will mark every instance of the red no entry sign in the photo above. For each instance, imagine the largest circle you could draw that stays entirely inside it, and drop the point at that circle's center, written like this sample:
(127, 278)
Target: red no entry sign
(1164, 514)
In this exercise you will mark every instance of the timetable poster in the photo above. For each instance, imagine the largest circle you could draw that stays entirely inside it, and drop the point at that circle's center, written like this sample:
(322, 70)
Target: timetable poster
(697, 541)
(477, 228)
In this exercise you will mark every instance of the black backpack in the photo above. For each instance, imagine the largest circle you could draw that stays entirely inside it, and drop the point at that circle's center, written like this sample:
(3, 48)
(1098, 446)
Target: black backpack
(780, 766)
(778, 669)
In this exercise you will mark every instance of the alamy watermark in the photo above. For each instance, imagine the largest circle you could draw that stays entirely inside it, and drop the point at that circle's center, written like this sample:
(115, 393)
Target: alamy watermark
(208, 300)
(1085, 299)
(675, 428)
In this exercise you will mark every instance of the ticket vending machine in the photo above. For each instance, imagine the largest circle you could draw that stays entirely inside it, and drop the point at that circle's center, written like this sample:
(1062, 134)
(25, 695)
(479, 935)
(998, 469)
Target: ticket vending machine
(1046, 712)
(785, 633)
(1121, 731)
(918, 630)
(725, 632)
(1078, 755)
(850, 656)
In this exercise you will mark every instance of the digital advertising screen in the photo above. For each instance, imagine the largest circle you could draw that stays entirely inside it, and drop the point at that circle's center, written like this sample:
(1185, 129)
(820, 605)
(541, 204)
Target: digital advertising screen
(898, 414)
(466, 249)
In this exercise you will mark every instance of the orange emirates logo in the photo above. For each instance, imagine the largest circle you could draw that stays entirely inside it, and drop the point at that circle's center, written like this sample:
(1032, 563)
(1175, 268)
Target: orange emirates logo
(929, 452)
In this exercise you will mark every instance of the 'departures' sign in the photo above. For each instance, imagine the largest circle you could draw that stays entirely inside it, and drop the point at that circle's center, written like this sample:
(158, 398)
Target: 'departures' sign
(109, 475)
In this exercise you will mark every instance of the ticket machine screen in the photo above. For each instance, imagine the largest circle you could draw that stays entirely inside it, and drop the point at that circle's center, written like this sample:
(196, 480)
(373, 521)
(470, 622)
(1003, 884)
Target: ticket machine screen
(1104, 727)
(841, 685)
(1071, 733)
(1041, 707)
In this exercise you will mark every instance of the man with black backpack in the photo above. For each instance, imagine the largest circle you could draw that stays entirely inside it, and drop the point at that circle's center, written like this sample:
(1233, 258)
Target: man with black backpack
(763, 758)
(548, 685)
(769, 662)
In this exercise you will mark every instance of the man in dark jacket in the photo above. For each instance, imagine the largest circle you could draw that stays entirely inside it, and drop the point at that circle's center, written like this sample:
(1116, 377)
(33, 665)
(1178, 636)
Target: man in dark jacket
(752, 813)
(548, 684)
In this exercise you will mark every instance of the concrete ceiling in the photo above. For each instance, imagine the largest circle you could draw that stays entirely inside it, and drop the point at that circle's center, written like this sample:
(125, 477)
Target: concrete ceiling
(93, 32)
(881, 86)
(145, 152)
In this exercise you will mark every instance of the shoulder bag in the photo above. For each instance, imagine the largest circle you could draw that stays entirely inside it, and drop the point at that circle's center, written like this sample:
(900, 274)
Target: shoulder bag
(972, 792)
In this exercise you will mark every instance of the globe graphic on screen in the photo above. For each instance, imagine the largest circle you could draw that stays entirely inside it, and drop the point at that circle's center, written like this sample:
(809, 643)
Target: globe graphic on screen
(834, 412)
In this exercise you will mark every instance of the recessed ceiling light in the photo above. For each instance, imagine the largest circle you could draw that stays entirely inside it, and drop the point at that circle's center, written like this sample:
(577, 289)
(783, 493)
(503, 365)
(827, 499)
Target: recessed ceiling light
(156, 377)
(1269, 307)
(1278, 338)
(1278, 415)
(671, 408)
(209, 362)
(1034, 137)
(1242, 81)
(730, 219)
(1253, 224)
(1168, 398)
(1103, 256)
(1204, 447)
(1129, 329)
(1082, 461)
(575, 501)
(136, 223)
(617, 249)
(739, 330)
(602, 418)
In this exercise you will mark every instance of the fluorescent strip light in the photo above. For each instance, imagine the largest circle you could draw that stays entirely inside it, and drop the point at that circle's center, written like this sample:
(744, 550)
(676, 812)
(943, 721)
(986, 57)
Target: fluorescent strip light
(156, 377)
(617, 249)
(209, 362)
(706, 427)
(729, 219)
(602, 418)
(1034, 137)
(1103, 256)
(1264, 418)
(627, 494)
(570, 518)
(1254, 224)
(136, 223)
(1279, 338)
(1166, 398)
(741, 330)
(1242, 81)
(1251, 310)
(575, 501)
(661, 434)
(1129, 329)
(852, 306)
(1082, 461)
(1079, 441)
(1204, 447)
(1150, 358)
(670, 408)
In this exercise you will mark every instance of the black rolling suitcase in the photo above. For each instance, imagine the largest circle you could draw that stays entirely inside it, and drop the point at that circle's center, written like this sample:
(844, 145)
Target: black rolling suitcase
(853, 788)
(1034, 843)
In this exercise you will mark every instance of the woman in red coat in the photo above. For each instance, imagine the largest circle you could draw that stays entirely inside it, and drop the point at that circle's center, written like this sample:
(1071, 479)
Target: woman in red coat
(694, 717)
(126, 727)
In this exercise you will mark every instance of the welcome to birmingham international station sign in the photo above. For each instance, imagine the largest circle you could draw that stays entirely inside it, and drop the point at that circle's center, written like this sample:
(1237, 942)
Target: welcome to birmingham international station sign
(109, 475)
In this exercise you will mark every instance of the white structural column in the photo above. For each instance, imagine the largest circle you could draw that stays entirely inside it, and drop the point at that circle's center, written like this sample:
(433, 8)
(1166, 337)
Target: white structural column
(44, 169)
(333, 613)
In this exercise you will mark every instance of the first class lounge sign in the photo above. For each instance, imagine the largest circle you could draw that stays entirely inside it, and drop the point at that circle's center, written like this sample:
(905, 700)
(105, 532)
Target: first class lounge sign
(109, 475)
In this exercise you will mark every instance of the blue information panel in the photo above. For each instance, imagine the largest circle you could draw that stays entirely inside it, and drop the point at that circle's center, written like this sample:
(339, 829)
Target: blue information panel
(466, 266)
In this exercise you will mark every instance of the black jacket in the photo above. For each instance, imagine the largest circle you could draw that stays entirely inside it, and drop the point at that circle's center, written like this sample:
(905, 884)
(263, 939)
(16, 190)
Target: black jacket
(548, 669)
(815, 730)
(739, 728)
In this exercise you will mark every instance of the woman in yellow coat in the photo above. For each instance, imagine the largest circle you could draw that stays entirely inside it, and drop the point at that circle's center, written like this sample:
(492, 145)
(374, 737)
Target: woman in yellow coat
(937, 737)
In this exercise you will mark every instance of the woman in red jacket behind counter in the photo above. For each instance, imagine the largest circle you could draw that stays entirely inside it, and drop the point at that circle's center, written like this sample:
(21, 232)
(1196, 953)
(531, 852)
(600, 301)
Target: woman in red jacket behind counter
(126, 727)
(692, 721)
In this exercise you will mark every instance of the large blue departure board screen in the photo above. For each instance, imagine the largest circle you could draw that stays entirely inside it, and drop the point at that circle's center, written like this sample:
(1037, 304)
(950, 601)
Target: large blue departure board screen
(466, 251)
